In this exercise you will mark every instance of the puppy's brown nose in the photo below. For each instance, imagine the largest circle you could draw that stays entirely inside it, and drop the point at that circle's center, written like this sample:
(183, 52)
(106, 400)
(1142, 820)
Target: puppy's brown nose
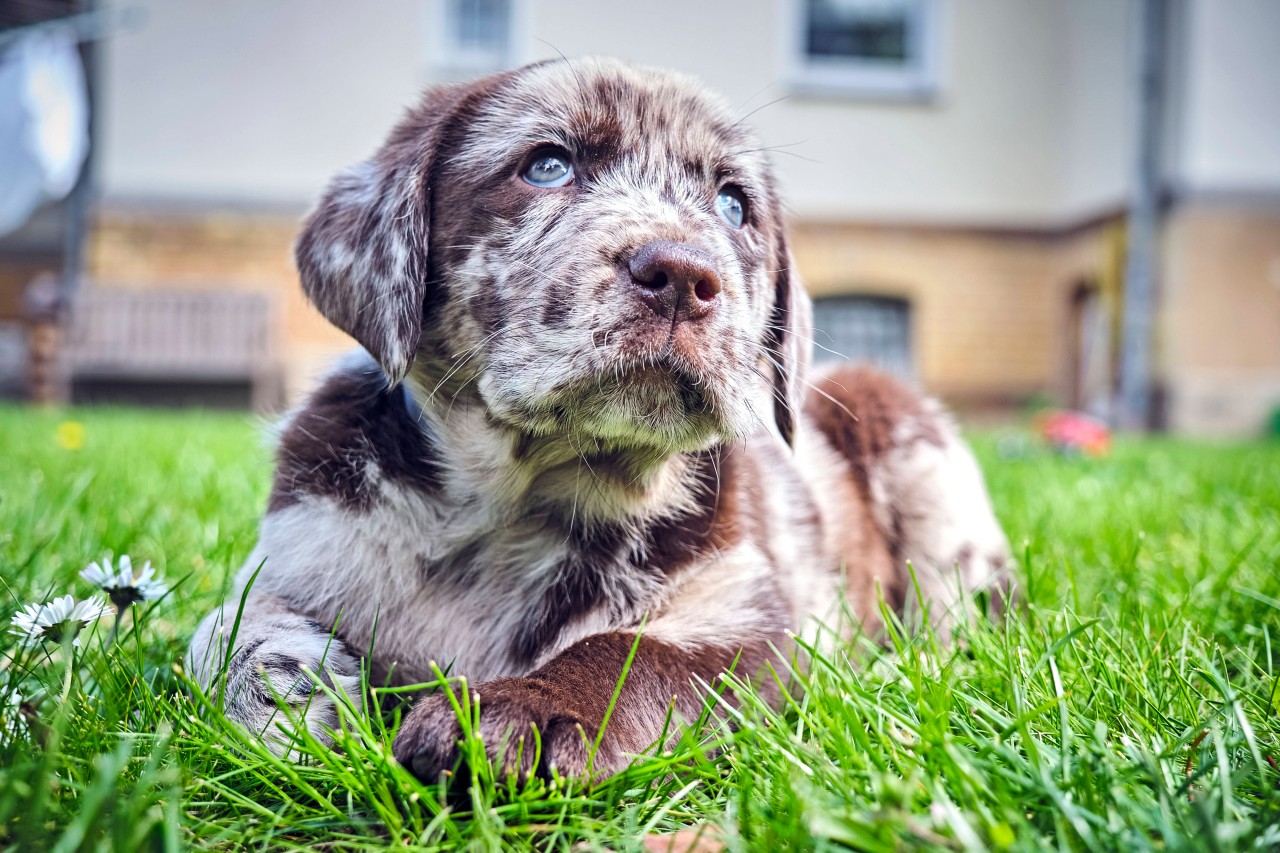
(676, 280)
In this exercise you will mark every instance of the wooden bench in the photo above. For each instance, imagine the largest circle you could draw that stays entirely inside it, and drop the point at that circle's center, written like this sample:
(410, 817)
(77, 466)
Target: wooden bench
(172, 339)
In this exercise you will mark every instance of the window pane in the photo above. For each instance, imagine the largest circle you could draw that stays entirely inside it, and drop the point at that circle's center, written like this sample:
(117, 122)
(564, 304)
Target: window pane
(878, 30)
(864, 329)
(481, 25)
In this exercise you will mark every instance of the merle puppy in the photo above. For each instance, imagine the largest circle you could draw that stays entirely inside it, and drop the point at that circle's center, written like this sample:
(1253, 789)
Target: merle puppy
(584, 404)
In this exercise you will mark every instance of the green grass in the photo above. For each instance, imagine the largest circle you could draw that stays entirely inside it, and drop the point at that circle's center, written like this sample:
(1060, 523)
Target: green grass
(1132, 704)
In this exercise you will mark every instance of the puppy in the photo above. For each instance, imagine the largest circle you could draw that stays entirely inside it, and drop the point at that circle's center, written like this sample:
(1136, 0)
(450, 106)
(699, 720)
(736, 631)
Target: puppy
(583, 424)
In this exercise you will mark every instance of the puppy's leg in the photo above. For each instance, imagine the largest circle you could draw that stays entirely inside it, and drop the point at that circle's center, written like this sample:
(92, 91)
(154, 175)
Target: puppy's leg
(925, 489)
(566, 700)
(274, 650)
(933, 494)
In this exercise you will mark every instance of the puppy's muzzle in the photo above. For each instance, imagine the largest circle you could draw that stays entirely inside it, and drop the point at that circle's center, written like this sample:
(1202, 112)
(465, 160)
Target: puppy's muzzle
(676, 280)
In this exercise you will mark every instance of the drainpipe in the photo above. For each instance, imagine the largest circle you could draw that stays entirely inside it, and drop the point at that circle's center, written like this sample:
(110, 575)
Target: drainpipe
(78, 206)
(1135, 399)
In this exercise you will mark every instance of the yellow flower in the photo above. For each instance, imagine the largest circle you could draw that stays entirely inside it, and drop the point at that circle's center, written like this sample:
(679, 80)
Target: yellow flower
(70, 435)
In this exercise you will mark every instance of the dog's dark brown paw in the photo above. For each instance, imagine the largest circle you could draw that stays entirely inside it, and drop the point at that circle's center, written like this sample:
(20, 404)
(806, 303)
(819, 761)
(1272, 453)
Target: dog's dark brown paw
(526, 729)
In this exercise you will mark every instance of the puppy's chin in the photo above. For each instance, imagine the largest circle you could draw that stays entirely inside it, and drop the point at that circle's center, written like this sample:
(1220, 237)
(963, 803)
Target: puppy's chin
(654, 407)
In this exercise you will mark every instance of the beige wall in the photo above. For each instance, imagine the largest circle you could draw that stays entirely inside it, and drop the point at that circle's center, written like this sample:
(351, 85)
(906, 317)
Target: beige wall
(989, 307)
(1220, 331)
(249, 101)
(1094, 40)
(983, 151)
(985, 324)
(260, 102)
(1230, 115)
(963, 204)
(985, 312)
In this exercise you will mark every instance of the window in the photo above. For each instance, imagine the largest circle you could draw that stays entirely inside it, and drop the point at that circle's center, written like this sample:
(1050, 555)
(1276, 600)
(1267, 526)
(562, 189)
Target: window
(876, 48)
(473, 35)
(864, 329)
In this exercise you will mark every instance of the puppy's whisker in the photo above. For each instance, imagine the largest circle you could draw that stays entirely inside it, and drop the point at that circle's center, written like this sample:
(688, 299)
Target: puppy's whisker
(763, 106)
(807, 383)
(460, 363)
(807, 339)
(540, 273)
(784, 151)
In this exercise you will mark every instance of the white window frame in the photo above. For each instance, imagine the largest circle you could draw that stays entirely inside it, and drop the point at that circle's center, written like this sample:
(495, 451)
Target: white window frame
(863, 78)
(447, 57)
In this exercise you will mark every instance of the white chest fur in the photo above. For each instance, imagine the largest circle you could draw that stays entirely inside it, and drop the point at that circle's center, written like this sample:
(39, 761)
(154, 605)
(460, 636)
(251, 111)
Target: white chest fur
(421, 581)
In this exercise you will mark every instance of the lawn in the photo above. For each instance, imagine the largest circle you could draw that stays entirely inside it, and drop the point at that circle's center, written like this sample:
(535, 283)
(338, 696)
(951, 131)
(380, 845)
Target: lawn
(1132, 704)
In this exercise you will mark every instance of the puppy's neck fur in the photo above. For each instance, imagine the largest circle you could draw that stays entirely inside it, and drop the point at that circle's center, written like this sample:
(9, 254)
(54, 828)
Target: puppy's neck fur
(518, 474)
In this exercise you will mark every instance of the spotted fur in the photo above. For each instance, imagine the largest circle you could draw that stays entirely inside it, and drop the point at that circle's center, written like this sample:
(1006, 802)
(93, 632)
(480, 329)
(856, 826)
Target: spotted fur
(539, 469)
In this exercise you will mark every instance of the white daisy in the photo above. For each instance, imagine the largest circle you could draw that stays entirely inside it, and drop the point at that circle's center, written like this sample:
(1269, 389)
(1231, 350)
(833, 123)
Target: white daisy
(57, 620)
(12, 726)
(124, 586)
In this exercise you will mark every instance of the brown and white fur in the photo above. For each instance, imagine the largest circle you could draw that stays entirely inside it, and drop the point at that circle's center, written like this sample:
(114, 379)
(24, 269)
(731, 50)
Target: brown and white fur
(582, 408)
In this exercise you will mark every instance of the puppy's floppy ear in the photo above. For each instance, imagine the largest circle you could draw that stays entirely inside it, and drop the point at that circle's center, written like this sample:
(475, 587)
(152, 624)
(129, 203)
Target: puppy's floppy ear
(363, 252)
(789, 339)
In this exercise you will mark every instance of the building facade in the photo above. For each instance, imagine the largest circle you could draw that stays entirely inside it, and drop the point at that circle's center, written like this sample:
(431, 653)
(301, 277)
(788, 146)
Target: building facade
(958, 171)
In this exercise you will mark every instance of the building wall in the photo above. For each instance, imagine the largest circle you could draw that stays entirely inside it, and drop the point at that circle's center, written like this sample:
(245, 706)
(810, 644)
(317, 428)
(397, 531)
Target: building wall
(1093, 105)
(983, 317)
(258, 105)
(1220, 330)
(1229, 118)
(969, 204)
(251, 102)
(990, 308)
(843, 157)
(984, 323)
(262, 102)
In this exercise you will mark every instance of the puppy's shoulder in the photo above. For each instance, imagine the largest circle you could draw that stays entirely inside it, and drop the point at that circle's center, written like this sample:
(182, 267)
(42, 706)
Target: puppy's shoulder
(353, 432)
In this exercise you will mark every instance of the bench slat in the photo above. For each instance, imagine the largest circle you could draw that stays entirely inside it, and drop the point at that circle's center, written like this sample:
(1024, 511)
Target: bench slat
(124, 333)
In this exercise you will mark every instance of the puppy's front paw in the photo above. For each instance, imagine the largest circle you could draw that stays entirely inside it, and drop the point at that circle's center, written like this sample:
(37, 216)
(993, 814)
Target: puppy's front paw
(266, 681)
(511, 709)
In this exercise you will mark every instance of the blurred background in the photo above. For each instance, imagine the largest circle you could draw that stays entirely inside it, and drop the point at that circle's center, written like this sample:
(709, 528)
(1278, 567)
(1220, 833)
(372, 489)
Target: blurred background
(1013, 202)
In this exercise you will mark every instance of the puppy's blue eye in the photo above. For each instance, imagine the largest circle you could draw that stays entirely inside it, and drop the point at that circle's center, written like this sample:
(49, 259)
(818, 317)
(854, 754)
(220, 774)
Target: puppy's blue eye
(549, 170)
(731, 206)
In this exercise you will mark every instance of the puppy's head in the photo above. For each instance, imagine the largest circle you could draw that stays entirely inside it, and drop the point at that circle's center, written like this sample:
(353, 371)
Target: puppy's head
(594, 249)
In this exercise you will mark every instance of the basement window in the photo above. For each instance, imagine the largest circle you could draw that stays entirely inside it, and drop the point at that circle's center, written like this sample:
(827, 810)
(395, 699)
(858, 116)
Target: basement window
(873, 330)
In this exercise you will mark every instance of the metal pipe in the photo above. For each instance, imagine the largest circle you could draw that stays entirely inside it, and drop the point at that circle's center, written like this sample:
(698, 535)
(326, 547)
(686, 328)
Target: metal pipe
(1135, 399)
